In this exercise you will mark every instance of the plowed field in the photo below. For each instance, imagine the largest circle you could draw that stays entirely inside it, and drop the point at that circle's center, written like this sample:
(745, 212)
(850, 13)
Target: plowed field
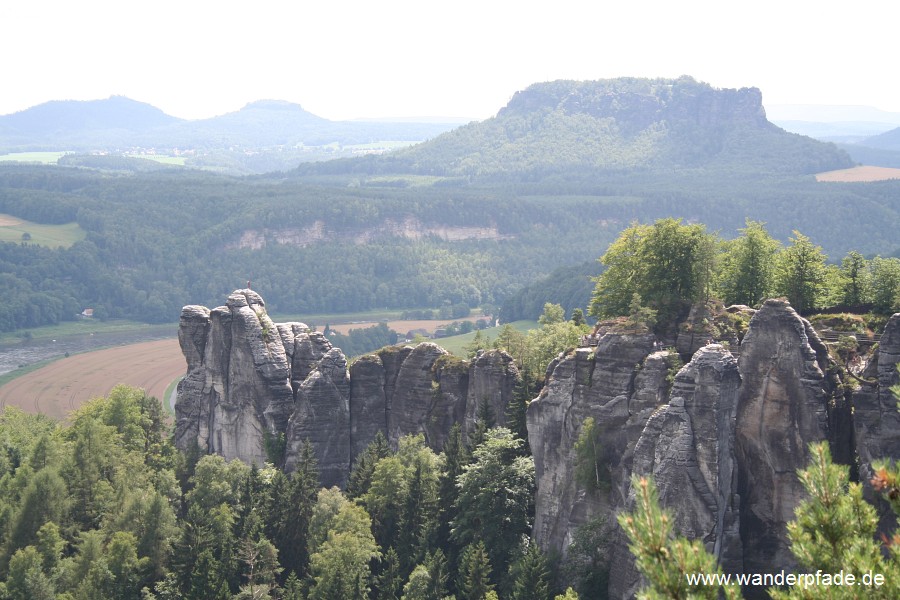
(62, 386)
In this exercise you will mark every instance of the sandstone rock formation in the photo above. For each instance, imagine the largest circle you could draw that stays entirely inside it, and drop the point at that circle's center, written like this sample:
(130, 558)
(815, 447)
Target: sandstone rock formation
(723, 445)
(876, 419)
(250, 381)
(237, 386)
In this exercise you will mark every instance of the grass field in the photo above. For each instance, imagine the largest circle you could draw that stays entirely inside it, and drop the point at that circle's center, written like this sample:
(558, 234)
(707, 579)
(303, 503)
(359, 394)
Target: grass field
(63, 385)
(457, 344)
(160, 158)
(53, 236)
(48, 158)
(83, 326)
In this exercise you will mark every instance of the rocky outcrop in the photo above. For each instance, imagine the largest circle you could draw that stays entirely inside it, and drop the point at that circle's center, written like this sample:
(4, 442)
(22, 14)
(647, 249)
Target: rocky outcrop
(609, 386)
(322, 416)
(237, 384)
(723, 445)
(786, 402)
(876, 418)
(254, 387)
(687, 447)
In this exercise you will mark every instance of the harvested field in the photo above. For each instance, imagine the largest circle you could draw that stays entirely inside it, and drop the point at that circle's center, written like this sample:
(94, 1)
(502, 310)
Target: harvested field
(62, 386)
(400, 327)
(859, 175)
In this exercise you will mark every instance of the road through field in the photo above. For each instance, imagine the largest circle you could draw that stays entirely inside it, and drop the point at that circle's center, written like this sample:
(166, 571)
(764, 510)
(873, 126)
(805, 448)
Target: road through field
(61, 386)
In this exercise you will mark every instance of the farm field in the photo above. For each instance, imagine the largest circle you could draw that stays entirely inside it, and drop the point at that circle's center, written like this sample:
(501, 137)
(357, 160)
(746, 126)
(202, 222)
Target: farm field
(47, 158)
(62, 386)
(400, 327)
(456, 344)
(53, 236)
(859, 175)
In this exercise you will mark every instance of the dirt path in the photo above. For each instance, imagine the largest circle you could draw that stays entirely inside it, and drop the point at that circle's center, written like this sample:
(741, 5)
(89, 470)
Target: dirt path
(62, 386)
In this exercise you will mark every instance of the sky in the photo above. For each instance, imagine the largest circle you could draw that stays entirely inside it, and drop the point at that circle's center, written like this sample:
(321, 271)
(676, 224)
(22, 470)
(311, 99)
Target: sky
(346, 59)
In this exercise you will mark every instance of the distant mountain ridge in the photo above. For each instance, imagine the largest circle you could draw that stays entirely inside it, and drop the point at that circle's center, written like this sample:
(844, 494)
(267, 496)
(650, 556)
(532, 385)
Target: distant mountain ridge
(118, 122)
(614, 124)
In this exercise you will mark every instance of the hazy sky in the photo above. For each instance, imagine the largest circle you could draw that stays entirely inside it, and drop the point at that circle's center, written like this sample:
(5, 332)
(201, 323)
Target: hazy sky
(344, 59)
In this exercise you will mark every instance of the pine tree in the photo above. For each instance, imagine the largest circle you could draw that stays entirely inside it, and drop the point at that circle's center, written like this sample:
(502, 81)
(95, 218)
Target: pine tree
(438, 575)
(475, 573)
(456, 457)
(663, 559)
(293, 517)
(834, 531)
(531, 576)
(364, 467)
(389, 581)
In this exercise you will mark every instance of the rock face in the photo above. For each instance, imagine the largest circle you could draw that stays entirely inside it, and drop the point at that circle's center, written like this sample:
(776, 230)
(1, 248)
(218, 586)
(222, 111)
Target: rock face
(237, 385)
(876, 419)
(250, 381)
(723, 444)
(783, 407)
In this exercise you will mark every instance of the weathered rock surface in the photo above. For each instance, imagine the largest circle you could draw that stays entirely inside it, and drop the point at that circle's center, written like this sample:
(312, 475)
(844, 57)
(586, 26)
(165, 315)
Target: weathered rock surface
(724, 445)
(687, 447)
(585, 384)
(875, 417)
(250, 381)
(322, 416)
(783, 407)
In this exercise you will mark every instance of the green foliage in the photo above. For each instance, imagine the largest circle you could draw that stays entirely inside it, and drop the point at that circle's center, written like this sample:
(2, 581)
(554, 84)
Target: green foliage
(531, 575)
(639, 316)
(673, 364)
(746, 273)
(667, 264)
(578, 317)
(591, 468)
(475, 573)
(290, 511)
(661, 558)
(553, 313)
(403, 500)
(389, 581)
(834, 531)
(496, 498)
(855, 281)
(886, 284)
(587, 561)
(801, 273)
(361, 341)
(340, 565)
(364, 467)
(276, 447)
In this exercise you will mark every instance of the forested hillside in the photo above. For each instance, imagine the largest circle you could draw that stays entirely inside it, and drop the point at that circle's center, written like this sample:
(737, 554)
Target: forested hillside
(612, 125)
(469, 217)
(157, 241)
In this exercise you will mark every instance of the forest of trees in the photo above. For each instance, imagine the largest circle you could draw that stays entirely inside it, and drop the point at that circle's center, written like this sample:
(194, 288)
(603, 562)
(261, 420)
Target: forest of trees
(106, 508)
(669, 265)
(158, 241)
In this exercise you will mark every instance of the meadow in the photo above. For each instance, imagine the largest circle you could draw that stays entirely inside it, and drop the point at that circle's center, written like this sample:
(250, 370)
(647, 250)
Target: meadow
(13, 229)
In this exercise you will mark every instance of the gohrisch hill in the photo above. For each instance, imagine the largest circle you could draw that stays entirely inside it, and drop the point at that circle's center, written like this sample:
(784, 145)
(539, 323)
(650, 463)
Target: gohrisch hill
(723, 441)
(614, 125)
